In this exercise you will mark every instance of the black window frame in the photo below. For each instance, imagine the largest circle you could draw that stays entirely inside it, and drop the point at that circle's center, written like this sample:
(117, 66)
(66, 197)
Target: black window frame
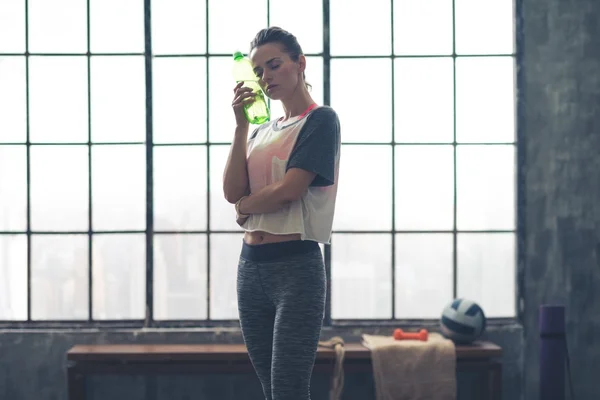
(149, 321)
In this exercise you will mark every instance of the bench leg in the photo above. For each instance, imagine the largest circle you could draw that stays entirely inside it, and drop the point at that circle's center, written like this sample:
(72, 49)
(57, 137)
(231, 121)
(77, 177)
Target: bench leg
(75, 383)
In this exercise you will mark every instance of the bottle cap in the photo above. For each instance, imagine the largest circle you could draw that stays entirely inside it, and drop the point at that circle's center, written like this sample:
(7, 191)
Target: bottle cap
(237, 55)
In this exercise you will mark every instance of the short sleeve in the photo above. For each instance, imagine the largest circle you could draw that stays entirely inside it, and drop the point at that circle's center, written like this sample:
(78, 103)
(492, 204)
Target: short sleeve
(318, 145)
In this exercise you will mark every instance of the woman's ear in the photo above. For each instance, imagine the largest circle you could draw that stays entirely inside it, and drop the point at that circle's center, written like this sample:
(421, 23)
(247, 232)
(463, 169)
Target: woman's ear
(301, 63)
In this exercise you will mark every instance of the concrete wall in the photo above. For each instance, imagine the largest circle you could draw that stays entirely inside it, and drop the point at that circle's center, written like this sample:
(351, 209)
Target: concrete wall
(32, 367)
(561, 147)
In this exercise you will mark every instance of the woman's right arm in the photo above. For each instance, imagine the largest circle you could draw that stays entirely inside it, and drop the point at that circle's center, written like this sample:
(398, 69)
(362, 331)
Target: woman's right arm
(235, 177)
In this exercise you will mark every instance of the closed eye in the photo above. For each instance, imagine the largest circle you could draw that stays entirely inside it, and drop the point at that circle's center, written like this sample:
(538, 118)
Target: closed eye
(273, 64)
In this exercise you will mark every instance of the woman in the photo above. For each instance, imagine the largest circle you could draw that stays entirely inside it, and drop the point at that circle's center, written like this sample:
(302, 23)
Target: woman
(283, 182)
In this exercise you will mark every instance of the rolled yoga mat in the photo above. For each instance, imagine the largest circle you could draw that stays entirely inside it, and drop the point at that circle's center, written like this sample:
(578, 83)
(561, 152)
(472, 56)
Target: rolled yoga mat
(552, 352)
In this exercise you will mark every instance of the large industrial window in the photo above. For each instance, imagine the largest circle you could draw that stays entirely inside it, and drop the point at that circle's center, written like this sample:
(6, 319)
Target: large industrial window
(115, 122)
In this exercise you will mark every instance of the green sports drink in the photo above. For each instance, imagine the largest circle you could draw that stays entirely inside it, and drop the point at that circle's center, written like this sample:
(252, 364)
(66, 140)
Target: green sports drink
(257, 112)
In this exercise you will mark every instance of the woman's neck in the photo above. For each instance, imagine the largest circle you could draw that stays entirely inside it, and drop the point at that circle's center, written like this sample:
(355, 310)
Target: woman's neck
(297, 104)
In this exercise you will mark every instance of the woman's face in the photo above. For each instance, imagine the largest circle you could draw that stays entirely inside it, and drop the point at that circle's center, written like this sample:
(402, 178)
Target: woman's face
(279, 75)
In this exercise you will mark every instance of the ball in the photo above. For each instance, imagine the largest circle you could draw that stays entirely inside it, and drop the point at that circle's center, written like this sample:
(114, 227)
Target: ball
(463, 321)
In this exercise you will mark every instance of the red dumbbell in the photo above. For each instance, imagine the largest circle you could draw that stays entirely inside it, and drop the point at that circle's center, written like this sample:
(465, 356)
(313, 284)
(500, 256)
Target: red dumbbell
(422, 335)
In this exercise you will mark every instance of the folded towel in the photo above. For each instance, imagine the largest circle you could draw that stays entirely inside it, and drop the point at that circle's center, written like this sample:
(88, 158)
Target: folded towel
(413, 369)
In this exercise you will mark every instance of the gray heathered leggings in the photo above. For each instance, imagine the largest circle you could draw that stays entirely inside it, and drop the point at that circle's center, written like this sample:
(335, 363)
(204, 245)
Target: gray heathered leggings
(281, 300)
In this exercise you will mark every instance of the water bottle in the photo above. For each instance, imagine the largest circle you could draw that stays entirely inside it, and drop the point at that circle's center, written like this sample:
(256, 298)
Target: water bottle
(256, 112)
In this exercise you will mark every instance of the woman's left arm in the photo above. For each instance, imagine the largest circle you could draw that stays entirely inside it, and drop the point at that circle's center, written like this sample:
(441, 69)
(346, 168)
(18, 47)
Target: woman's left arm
(277, 195)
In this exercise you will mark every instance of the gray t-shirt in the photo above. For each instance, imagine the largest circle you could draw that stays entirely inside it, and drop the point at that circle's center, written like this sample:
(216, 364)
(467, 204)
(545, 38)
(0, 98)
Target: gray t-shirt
(311, 142)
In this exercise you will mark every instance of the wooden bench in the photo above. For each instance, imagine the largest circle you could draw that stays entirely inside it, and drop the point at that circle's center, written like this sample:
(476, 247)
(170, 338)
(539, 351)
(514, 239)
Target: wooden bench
(83, 360)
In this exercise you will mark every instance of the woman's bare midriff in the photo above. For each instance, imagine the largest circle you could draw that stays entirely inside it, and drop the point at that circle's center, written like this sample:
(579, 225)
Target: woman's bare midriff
(260, 237)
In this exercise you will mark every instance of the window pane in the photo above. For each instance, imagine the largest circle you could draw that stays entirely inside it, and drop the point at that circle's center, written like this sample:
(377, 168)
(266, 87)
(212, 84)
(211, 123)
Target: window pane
(485, 99)
(12, 26)
(485, 179)
(360, 28)
(179, 277)
(118, 99)
(371, 120)
(119, 276)
(178, 26)
(118, 187)
(365, 179)
(361, 272)
(224, 257)
(59, 188)
(179, 100)
(222, 214)
(419, 257)
(220, 86)
(234, 23)
(13, 124)
(484, 27)
(117, 26)
(309, 35)
(59, 277)
(180, 188)
(486, 271)
(424, 187)
(58, 99)
(13, 188)
(57, 26)
(422, 27)
(314, 76)
(13, 277)
(424, 96)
